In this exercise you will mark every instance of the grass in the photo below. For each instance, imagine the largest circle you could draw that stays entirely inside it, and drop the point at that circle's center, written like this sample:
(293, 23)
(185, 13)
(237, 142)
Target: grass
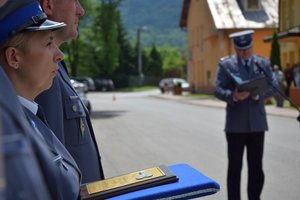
(137, 89)
(201, 96)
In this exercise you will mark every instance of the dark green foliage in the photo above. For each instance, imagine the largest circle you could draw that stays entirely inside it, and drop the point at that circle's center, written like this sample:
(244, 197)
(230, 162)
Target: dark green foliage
(127, 60)
(95, 53)
(72, 50)
(173, 72)
(108, 32)
(154, 67)
(275, 52)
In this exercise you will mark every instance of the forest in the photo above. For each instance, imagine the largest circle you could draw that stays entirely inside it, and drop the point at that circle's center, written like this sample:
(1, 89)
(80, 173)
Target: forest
(107, 46)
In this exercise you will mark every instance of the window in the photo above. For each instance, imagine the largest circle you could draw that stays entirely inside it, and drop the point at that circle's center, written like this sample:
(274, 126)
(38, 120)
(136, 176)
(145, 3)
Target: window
(287, 15)
(284, 58)
(252, 5)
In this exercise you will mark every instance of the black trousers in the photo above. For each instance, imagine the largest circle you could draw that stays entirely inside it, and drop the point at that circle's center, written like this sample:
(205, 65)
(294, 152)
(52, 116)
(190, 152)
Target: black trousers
(254, 143)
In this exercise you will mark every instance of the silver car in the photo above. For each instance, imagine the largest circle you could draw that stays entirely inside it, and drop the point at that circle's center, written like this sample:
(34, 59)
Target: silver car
(81, 90)
(168, 84)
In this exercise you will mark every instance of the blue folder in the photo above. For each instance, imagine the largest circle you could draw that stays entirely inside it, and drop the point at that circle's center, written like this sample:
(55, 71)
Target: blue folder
(191, 184)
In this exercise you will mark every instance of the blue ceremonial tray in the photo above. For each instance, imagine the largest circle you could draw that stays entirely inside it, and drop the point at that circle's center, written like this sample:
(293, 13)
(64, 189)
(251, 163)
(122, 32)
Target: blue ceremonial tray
(191, 184)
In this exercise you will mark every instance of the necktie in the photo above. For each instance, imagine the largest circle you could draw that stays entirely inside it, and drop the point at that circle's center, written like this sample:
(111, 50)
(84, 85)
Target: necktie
(40, 113)
(247, 65)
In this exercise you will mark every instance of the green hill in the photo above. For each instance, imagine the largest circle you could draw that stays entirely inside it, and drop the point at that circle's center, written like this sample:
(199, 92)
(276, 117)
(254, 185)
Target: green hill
(161, 17)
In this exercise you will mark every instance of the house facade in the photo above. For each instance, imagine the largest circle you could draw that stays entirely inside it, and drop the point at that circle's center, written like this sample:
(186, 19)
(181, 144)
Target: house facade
(289, 31)
(289, 40)
(210, 22)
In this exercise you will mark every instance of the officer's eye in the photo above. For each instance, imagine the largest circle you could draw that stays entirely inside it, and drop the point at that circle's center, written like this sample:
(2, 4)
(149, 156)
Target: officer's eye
(50, 41)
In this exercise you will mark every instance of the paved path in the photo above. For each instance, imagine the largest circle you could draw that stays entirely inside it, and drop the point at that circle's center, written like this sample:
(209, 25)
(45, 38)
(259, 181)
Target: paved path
(270, 109)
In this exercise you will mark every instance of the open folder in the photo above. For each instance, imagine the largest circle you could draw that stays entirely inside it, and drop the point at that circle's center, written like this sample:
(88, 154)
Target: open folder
(255, 86)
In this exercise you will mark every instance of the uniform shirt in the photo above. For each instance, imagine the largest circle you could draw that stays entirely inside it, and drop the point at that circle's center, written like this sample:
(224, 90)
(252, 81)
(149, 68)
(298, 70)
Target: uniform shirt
(30, 105)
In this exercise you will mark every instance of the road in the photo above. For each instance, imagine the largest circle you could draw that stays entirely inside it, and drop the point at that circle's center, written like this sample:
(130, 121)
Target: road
(137, 130)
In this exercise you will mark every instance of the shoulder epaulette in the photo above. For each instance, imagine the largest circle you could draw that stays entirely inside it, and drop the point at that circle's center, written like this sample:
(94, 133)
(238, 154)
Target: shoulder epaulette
(225, 58)
(262, 57)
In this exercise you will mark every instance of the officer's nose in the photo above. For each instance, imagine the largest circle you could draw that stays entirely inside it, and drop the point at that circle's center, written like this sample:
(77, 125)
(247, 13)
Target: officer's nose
(58, 56)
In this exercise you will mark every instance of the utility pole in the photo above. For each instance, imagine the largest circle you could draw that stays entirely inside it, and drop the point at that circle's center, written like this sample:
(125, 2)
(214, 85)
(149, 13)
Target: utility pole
(140, 62)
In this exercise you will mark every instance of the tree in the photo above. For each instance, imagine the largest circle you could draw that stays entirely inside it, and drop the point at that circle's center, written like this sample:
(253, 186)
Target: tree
(154, 67)
(72, 50)
(275, 52)
(95, 52)
(107, 22)
(126, 65)
(174, 62)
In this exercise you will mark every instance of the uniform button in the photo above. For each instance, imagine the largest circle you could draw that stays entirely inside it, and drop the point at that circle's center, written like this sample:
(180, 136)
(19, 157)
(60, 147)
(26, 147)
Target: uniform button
(74, 108)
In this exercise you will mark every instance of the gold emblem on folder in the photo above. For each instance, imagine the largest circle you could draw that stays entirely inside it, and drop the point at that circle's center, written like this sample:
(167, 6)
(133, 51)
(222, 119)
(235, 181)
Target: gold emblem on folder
(124, 180)
(143, 175)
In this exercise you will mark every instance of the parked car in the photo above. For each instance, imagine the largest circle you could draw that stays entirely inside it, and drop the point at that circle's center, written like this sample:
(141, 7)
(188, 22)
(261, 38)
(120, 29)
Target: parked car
(88, 81)
(81, 91)
(168, 84)
(104, 84)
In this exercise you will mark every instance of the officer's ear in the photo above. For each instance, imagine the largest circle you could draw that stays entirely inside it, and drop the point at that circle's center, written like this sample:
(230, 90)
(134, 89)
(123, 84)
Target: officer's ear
(47, 6)
(12, 57)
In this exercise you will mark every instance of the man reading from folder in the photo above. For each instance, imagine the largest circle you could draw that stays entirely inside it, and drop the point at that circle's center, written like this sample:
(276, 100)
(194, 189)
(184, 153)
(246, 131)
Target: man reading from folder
(246, 120)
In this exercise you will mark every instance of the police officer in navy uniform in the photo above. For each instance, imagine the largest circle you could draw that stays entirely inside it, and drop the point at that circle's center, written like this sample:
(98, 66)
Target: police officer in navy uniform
(29, 58)
(246, 120)
(65, 112)
(21, 163)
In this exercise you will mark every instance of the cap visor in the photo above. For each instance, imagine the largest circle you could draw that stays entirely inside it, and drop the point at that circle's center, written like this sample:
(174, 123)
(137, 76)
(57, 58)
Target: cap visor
(46, 25)
(243, 48)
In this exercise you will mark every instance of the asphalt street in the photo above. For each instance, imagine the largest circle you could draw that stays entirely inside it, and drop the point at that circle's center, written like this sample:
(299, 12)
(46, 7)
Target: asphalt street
(140, 130)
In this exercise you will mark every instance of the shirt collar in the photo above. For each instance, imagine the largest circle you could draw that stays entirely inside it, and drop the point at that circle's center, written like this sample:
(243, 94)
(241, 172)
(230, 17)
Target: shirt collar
(248, 61)
(30, 105)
